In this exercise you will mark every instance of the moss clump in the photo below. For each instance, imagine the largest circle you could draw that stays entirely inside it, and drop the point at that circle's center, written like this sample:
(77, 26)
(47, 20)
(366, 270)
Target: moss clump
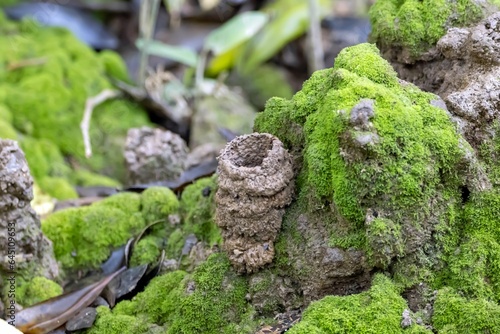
(456, 314)
(37, 290)
(47, 100)
(86, 178)
(198, 210)
(58, 188)
(83, 237)
(474, 265)
(217, 303)
(211, 300)
(44, 159)
(146, 251)
(7, 131)
(384, 241)
(111, 323)
(417, 25)
(378, 310)
(128, 202)
(158, 203)
(408, 170)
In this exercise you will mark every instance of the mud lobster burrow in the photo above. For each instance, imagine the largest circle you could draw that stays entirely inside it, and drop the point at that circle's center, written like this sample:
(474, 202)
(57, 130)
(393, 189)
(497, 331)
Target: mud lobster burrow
(256, 183)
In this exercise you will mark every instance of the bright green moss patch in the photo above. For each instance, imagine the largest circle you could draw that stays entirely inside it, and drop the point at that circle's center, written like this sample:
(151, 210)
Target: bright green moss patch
(111, 323)
(84, 237)
(46, 100)
(474, 265)
(198, 210)
(158, 203)
(127, 202)
(37, 290)
(378, 310)
(86, 178)
(417, 25)
(7, 131)
(217, 302)
(146, 251)
(456, 314)
(58, 188)
(366, 62)
(211, 300)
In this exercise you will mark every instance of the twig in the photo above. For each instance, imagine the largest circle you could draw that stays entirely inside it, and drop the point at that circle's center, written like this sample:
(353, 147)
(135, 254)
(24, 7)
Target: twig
(25, 63)
(90, 104)
(316, 55)
(148, 15)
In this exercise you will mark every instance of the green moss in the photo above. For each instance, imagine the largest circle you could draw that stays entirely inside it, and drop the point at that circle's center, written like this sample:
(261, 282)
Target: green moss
(378, 310)
(456, 314)
(47, 100)
(211, 300)
(158, 203)
(127, 202)
(111, 323)
(114, 65)
(175, 243)
(474, 265)
(5, 114)
(417, 25)
(384, 241)
(83, 237)
(86, 178)
(36, 290)
(217, 303)
(366, 62)
(44, 158)
(7, 131)
(58, 188)
(198, 211)
(147, 251)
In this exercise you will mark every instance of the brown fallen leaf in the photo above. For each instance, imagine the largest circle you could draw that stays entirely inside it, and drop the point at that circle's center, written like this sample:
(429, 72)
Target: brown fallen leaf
(43, 317)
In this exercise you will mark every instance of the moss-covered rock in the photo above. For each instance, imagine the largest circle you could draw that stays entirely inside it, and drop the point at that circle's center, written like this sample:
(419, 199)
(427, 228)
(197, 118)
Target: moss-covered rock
(380, 173)
(198, 209)
(211, 300)
(412, 26)
(111, 323)
(157, 203)
(474, 266)
(84, 237)
(378, 310)
(456, 314)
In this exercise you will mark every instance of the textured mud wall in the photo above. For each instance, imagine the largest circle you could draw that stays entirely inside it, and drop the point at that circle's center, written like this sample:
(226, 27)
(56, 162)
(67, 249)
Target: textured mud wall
(255, 185)
(23, 248)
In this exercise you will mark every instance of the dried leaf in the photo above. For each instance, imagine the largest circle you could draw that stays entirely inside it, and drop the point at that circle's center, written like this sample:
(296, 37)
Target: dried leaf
(43, 317)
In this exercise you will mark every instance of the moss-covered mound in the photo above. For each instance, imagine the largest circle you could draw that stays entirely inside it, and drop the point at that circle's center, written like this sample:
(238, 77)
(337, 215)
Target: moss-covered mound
(414, 26)
(378, 310)
(46, 75)
(380, 180)
(84, 237)
(211, 300)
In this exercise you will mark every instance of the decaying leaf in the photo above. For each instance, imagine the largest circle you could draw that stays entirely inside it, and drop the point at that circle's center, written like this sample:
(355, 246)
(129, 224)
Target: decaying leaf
(43, 317)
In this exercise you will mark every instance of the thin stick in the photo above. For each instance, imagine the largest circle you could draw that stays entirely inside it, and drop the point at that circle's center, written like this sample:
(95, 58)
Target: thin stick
(25, 63)
(90, 104)
(148, 15)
